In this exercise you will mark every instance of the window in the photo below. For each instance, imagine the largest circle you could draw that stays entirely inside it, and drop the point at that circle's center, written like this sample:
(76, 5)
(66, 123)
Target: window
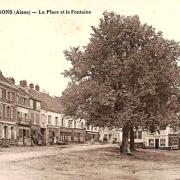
(8, 111)
(57, 121)
(18, 99)
(43, 119)
(137, 134)
(151, 142)
(49, 119)
(18, 115)
(32, 117)
(37, 118)
(1, 110)
(20, 133)
(8, 95)
(23, 101)
(38, 105)
(69, 123)
(27, 132)
(74, 124)
(12, 133)
(162, 142)
(87, 127)
(25, 116)
(5, 132)
(82, 125)
(62, 122)
(0, 93)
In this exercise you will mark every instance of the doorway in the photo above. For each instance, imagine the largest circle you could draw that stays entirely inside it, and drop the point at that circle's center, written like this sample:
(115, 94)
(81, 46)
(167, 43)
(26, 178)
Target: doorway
(5, 132)
(43, 133)
(156, 143)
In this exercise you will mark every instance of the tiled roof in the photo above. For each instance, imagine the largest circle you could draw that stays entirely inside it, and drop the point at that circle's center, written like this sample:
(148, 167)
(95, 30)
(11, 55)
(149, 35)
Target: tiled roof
(48, 102)
(25, 92)
(6, 81)
(3, 79)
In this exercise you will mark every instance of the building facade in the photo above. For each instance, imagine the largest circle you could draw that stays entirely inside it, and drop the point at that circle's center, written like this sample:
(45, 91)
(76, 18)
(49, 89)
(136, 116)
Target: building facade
(92, 133)
(8, 126)
(23, 117)
(30, 117)
(163, 139)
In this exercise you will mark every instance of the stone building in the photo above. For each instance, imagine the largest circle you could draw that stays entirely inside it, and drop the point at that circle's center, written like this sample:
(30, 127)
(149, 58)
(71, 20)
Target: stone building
(73, 131)
(23, 117)
(50, 115)
(8, 127)
(28, 116)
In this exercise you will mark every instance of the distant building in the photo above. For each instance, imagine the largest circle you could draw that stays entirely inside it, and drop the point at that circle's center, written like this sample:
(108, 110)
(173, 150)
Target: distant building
(110, 135)
(167, 138)
(92, 133)
(164, 139)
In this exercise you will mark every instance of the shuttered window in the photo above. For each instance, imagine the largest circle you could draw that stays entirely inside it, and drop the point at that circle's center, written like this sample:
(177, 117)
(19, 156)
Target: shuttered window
(8, 111)
(49, 119)
(0, 93)
(0, 131)
(12, 112)
(1, 110)
(20, 133)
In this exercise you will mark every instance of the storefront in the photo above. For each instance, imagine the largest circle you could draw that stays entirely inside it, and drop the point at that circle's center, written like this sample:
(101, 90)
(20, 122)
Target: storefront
(92, 136)
(53, 132)
(43, 133)
(79, 135)
(35, 135)
(24, 135)
(8, 134)
(72, 135)
(66, 134)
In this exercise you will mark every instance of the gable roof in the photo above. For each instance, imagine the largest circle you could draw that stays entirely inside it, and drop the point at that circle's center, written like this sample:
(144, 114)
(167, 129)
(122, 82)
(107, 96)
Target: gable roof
(48, 102)
(3, 79)
(6, 81)
(25, 92)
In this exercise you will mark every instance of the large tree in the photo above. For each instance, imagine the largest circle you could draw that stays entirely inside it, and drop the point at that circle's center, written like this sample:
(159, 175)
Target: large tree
(125, 77)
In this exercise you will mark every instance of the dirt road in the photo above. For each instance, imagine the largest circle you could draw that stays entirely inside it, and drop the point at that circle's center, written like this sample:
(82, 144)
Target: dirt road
(12, 161)
(39, 152)
(94, 162)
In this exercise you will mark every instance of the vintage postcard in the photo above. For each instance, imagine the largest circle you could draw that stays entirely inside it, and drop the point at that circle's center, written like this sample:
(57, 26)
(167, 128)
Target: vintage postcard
(89, 90)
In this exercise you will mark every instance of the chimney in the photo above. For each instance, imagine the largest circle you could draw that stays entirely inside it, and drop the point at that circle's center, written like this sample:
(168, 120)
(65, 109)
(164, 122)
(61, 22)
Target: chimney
(37, 87)
(11, 79)
(0, 72)
(31, 86)
(23, 83)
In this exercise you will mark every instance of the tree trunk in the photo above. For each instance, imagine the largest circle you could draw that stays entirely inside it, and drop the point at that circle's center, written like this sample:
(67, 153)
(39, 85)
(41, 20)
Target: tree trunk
(124, 145)
(132, 146)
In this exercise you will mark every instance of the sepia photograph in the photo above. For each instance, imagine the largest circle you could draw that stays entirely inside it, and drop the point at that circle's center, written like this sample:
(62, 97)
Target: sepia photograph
(89, 90)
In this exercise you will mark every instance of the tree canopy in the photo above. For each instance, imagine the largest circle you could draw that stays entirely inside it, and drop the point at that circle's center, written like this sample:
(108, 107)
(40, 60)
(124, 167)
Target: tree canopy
(127, 74)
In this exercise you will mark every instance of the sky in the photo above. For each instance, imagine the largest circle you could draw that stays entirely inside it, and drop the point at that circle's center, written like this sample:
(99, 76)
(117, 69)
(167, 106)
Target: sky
(31, 46)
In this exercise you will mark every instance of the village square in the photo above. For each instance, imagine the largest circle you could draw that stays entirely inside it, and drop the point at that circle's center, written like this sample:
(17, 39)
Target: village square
(88, 92)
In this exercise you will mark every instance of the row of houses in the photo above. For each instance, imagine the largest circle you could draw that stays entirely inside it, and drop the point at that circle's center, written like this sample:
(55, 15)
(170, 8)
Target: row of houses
(29, 116)
(165, 139)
